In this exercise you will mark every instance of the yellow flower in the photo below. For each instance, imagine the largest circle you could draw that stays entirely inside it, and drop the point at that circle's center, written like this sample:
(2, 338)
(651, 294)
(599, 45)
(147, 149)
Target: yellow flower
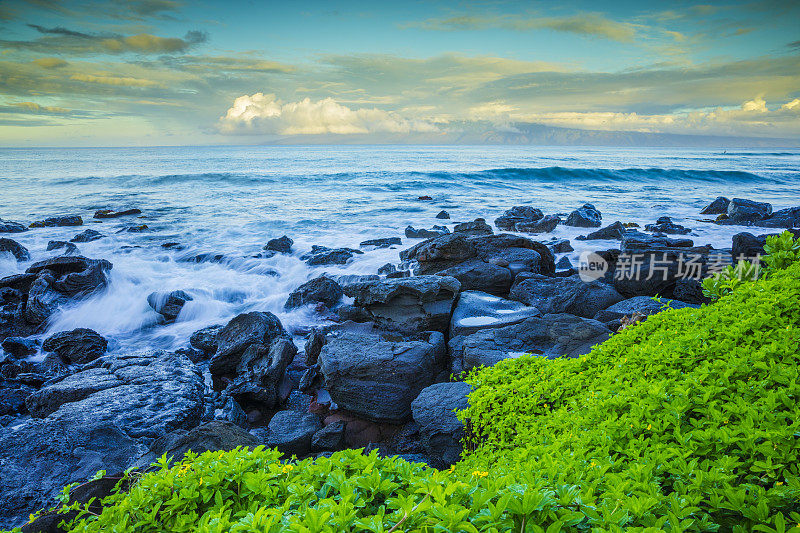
(201, 481)
(779, 483)
(594, 464)
(480, 474)
(649, 426)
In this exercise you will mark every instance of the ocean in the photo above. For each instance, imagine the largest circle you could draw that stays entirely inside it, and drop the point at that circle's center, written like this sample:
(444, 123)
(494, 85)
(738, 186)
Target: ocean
(230, 201)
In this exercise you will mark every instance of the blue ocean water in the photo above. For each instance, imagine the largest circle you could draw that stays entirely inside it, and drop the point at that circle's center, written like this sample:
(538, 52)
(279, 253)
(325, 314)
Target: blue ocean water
(232, 200)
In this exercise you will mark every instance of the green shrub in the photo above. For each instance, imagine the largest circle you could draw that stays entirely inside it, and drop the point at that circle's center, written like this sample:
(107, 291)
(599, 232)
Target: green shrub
(782, 250)
(688, 421)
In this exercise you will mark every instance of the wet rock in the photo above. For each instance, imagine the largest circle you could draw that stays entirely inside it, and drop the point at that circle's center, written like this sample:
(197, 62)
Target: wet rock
(259, 380)
(717, 207)
(59, 221)
(11, 246)
(377, 377)
(139, 228)
(434, 411)
(12, 399)
(443, 215)
(291, 432)
(168, 304)
(614, 232)
(254, 328)
(784, 218)
(564, 264)
(69, 248)
(88, 235)
(322, 255)
(560, 246)
(639, 305)
(319, 290)
(73, 276)
(232, 412)
(564, 295)
(6, 226)
(382, 243)
(481, 276)
(20, 347)
(474, 228)
(329, 438)
(281, 245)
(479, 310)
(518, 214)
(77, 346)
(100, 418)
(586, 216)
(110, 213)
(388, 268)
(217, 435)
(314, 343)
(347, 312)
(638, 241)
(665, 225)
(746, 245)
(551, 336)
(741, 210)
(543, 225)
(205, 339)
(420, 303)
(437, 231)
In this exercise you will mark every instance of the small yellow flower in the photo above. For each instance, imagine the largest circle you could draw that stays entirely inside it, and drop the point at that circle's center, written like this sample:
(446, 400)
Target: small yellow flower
(594, 464)
(649, 426)
(201, 481)
(480, 474)
(779, 483)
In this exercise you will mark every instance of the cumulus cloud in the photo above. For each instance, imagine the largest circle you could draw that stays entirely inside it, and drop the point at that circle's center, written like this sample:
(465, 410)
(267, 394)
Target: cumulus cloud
(263, 113)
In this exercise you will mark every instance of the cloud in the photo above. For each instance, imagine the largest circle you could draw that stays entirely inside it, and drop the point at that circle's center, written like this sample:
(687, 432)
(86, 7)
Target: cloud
(113, 80)
(795, 45)
(148, 43)
(584, 24)
(34, 108)
(217, 64)
(70, 42)
(50, 62)
(59, 30)
(263, 113)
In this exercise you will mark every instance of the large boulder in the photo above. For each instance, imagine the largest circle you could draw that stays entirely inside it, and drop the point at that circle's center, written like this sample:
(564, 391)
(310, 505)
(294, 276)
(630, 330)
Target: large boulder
(100, 418)
(78, 346)
(718, 207)
(11, 246)
(419, 303)
(784, 218)
(259, 381)
(291, 432)
(551, 336)
(747, 245)
(564, 295)
(434, 410)
(319, 290)
(168, 304)
(256, 327)
(521, 214)
(742, 211)
(377, 377)
(586, 216)
(644, 306)
(479, 310)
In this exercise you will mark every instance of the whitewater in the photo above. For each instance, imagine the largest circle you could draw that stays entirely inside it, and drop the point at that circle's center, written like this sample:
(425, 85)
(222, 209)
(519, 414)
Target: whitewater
(227, 202)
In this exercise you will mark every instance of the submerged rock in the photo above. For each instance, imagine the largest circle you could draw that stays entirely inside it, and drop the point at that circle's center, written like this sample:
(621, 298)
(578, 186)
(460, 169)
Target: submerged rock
(110, 213)
(543, 225)
(382, 243)
(666, 226)
(322, 255)
(613, 231)
(11, 246)
(79, 346)
(443, 215)
(168, 304)
(69, 248)
(59, 221)
(419, 303)
(88, 235)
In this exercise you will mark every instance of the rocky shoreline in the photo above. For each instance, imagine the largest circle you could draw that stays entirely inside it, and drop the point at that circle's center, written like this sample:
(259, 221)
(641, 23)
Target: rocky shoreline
(381, 372)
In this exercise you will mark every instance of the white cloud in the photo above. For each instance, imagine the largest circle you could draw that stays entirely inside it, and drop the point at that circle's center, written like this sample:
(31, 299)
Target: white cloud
(263, 113)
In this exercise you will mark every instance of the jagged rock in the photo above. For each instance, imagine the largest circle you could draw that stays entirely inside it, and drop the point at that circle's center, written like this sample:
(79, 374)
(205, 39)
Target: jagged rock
(19, 347)
(784, 218)
(88, 235)
(69, 248)
(518, 214)
(564, 295)
(232, 412)
(6, 226)
(419, 303)
(319, 290)
(551, 336)
(586, 216)
(636, 240)
(110, 213)
(382, 243)
(322, 255)
(641, 305)
(78, 346)
(387, 269)
(614, 232)
(717, 207)
(421, 233)
(238, 334)
(564, 264)
(479, 310)
(329, 438)
(205, 339)
(314, 343)
(741, 210)
(543, 225)
(560, 246)
(100, 418)
(281, 245)
(747, 245)
(376, 377)
(352, 313)
(666, 226)
(443, 215)
(259, 381)
(291, 432)
(168, 304)
(477, 227)
(11, 246)
(440, 429)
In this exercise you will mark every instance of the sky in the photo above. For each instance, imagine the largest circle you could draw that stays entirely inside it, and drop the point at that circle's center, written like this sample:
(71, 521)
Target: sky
(169, 72)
